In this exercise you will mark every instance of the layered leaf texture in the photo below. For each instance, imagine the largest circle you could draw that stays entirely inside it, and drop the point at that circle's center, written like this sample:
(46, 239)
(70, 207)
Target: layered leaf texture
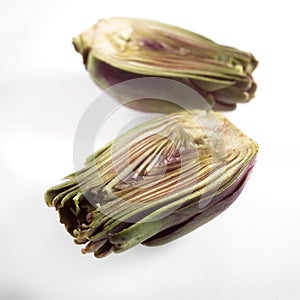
(118, 49)
(155, 183)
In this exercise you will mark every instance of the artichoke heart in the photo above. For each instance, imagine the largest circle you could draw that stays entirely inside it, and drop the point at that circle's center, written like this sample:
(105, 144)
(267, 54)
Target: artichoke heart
(155, 183)
(118, 49)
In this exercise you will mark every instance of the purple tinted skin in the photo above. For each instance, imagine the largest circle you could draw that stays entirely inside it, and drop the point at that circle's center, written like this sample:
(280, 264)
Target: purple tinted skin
(152, 45)
(111, 75)
(106, 76)
(217, 206)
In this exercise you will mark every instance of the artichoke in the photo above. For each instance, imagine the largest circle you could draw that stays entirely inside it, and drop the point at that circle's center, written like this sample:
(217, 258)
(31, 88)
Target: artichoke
(155, 183)
(118, 49)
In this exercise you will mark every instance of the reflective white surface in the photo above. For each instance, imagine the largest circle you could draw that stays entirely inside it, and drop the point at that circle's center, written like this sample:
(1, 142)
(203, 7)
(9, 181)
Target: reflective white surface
(251, 251)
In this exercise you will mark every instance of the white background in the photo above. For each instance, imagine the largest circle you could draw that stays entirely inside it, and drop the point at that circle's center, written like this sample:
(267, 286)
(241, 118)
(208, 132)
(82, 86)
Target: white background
(251, 251)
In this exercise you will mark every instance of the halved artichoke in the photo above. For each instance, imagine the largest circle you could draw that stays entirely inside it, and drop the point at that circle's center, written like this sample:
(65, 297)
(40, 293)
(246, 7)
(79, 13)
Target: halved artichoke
(155, 183)
(118, 49)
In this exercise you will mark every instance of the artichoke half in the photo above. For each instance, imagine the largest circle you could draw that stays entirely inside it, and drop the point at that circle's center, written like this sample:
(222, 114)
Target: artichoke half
(118, 49)
(155, 183)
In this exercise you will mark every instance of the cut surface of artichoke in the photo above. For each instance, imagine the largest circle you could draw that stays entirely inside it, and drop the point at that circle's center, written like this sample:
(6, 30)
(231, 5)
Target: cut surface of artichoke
(155, 183)
(118, 49)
